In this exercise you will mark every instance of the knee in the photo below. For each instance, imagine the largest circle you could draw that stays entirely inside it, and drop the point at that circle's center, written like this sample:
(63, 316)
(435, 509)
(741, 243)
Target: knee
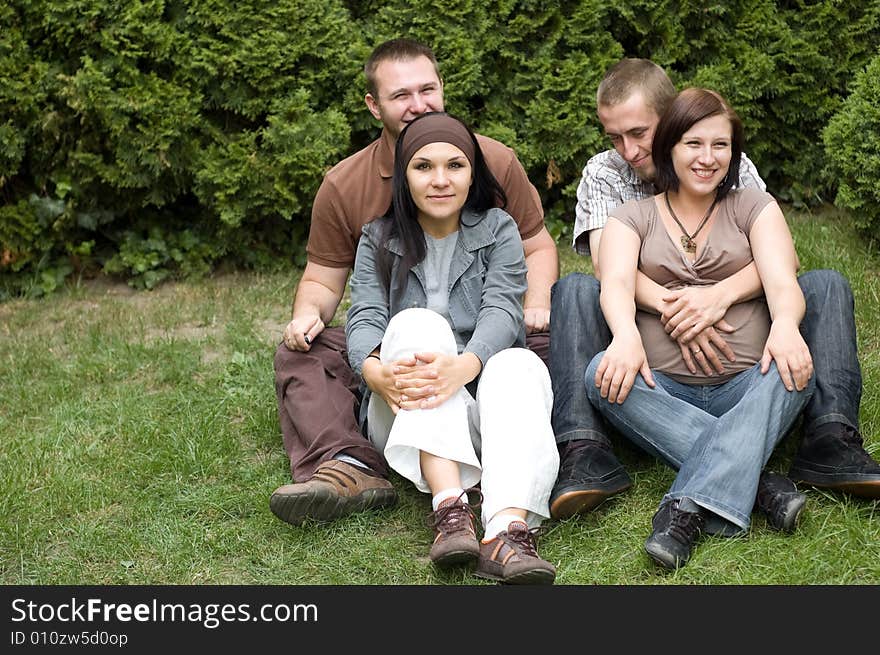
(284, 356)
(774, 374)
(826, 283)
(575, 289)
(414, 330)
(515, 363)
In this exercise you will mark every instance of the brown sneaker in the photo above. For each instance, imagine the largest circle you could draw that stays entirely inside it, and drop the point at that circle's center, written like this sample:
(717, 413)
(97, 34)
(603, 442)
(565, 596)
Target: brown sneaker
(455, 539)
(336, 489)
(512, 558)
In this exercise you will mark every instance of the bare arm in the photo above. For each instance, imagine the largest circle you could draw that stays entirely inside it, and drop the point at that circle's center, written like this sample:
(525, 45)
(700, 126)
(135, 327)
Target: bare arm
(648, 294)
(542, 262)
(595, 237)
(317, 296)
(774, 254)
(625, 356)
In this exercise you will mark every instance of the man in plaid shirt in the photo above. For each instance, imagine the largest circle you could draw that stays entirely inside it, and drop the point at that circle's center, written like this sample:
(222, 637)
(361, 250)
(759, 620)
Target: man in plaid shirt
(630, 100)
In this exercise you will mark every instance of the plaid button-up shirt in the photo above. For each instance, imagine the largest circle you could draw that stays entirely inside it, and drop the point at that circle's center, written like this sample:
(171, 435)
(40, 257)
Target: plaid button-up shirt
(608, 181)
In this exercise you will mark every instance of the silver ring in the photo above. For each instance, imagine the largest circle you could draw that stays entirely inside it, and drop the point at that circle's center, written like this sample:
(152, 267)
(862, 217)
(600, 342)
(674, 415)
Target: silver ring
(697, 351)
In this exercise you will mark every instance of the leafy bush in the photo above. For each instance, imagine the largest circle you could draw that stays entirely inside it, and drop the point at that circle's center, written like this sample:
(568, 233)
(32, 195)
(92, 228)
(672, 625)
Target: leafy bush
(169, 134)
(852, 145)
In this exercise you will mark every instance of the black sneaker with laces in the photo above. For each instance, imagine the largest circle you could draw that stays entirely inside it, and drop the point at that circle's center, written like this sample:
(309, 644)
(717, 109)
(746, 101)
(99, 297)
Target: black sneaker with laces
(834, 458)
(675, 532)
(780, 501)
(589, 474)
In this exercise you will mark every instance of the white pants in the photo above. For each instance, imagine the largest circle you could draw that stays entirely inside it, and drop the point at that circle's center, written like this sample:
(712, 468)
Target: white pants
(503, 437)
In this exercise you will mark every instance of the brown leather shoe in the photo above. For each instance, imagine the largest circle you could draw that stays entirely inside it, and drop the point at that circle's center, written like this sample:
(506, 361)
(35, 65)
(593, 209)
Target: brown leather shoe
(512, 557)
(455, 538)
(336, 489)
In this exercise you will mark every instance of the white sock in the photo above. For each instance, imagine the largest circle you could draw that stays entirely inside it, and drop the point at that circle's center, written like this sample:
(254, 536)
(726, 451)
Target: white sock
(440, 496)
(500, 523)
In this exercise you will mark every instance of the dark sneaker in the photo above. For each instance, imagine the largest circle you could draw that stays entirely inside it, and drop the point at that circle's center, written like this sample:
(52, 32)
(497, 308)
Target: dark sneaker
(833, 458)
(780, 501)
(675, 532)
(455, 539)
(336, 489)
(512, 557)
(589, 474)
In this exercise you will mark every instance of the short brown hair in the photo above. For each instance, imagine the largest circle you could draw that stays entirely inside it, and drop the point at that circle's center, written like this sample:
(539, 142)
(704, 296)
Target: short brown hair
(688, 108)
(395, 50)
(630, 75)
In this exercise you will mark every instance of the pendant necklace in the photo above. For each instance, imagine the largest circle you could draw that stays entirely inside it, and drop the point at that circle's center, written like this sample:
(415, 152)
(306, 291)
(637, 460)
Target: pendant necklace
(687, 240)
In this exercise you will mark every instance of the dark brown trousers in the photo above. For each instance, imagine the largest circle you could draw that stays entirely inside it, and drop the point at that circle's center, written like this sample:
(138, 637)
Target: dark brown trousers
(319, 399)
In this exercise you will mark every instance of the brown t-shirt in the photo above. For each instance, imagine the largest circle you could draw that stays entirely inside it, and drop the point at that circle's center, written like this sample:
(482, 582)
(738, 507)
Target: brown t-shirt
(726, 251)
(358, 189)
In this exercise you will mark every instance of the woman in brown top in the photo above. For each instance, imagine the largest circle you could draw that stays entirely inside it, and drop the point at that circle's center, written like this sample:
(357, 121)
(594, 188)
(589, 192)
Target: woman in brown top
(718, 430)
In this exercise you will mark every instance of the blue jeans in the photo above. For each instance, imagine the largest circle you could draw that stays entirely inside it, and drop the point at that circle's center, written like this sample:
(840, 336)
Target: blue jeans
(578, 331)
(718, 437)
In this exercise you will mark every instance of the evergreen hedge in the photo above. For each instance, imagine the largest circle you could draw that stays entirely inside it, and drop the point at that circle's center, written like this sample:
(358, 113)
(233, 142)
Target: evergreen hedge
(852, 143)
(158, 137)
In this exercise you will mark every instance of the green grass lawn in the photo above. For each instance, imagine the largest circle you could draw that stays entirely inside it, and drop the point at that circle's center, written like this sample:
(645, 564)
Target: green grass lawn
(140, 445)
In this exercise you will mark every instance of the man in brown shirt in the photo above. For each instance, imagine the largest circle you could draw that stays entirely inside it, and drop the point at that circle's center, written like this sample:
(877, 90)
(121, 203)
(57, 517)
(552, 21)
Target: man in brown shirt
(337, 470)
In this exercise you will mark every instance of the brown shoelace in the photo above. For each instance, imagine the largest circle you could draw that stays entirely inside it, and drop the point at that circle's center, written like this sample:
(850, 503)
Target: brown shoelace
(455, 516)
(526, 539)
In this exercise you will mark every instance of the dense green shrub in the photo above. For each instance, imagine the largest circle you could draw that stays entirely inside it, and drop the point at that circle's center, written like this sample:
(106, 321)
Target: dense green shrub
(852, 144)
(157, 137)
(167, 134)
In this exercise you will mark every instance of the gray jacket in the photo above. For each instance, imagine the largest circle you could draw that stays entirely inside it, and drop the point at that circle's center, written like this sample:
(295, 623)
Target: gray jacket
(487, 280)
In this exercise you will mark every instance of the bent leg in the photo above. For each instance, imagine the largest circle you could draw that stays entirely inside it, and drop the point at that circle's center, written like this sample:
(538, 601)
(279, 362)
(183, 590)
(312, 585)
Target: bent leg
(655, 420)
(318, 398)
(519, 453)
(832, 453)
(589, 472)
(721, 472)
(443, 431)
(577, 332)
(829, 329)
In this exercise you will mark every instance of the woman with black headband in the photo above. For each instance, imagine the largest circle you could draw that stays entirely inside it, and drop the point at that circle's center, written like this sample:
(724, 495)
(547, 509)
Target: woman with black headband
(436, 331)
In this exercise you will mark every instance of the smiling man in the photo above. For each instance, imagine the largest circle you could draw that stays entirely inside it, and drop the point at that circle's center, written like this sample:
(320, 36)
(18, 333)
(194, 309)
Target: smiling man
(630, 100)
(337, 471)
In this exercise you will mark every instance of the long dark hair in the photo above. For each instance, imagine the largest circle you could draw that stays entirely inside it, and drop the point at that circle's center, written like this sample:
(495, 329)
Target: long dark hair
(401, 219)
(690, 107)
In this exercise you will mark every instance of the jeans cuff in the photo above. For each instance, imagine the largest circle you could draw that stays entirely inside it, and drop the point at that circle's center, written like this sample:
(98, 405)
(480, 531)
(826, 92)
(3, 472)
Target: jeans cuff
(813, 425)
(579, 435)
(720, 511)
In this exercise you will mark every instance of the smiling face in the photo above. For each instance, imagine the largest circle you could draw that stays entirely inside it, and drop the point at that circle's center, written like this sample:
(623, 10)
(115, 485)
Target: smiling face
(404, 89)
(439, 177)
(630, 126)
(701, 158)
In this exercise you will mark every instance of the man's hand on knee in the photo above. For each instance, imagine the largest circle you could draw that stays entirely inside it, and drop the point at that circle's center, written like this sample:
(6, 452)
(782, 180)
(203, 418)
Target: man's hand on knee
(302, 331)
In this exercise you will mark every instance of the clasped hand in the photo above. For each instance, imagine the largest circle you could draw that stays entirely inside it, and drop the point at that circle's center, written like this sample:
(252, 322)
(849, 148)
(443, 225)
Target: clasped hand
(694, 318)
(423, 381)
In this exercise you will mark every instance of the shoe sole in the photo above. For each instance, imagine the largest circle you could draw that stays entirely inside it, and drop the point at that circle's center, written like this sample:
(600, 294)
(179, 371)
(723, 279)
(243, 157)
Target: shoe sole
(662, 558)
(456, 558)
(324, 505)
(863, 489)
(582, 501)
(532, 577)
(794, 516)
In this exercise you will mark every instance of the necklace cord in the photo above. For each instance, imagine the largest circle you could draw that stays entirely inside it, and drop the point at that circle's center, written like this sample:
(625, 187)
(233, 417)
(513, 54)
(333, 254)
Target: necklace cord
(687, 241)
